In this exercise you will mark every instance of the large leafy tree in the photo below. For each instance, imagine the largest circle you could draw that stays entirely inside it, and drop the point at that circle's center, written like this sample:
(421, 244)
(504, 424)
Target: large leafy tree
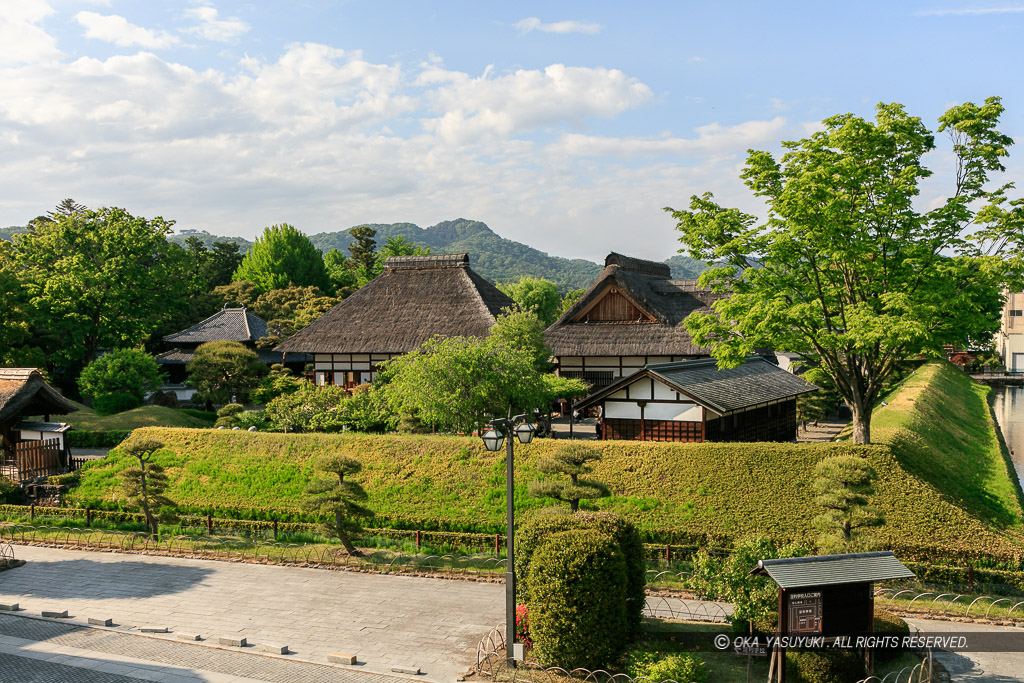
(127, 373)
(18, 343)
(340, 273)
(282, 256)
(536, 295)
(290, 309)
(846, 269)
(98, 278)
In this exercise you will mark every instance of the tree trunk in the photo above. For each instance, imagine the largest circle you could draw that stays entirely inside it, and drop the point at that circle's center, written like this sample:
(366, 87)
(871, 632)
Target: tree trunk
(574, 505)
(861, 422)
(342, 536)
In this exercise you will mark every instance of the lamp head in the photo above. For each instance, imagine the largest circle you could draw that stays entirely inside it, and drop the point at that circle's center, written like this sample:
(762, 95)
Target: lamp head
(524, 432)
(493, 439)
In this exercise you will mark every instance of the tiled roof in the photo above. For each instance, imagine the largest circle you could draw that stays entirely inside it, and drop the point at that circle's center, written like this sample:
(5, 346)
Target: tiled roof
(753, 383)
(647, 283)
(829, 570)
(414, 299)
(227, 324)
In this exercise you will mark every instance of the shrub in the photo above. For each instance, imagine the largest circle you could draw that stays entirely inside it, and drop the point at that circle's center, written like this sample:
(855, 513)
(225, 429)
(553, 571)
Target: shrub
(9, 491)
(827, 666)
(533, 534)
(676, 667)
(888, 624)
(253, 418)
(109, 404)
(228, 415)
(89, 439)
(221, 370)
(578, 600)
(119, 380)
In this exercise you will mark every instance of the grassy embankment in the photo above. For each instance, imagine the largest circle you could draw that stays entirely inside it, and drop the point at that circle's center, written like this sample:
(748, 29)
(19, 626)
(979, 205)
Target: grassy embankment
(86, 418)
(942, 481)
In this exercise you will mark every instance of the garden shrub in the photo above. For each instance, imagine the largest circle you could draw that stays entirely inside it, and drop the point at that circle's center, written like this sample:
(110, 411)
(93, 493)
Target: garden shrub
(888, 624)
(532, 534)
(578, 600)
(90, 439)
(117, 402)
(9, 491)
(253, 418)
(228, 415)
(657, 667)
(826, 666)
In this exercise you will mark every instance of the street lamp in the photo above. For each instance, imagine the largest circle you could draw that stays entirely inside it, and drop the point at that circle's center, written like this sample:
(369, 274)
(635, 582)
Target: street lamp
(501, 431)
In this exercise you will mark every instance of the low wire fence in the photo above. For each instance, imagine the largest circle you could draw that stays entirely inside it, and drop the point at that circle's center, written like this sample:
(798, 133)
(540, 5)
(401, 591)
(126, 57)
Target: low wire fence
(958, 604)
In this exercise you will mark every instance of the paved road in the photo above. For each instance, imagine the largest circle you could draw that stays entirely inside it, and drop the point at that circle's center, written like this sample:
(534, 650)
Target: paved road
(387, 621)
(991, 667)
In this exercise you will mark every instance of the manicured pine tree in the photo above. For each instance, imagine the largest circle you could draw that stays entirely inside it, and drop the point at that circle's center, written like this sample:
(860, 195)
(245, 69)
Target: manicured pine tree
(337, 497)
(574, 460)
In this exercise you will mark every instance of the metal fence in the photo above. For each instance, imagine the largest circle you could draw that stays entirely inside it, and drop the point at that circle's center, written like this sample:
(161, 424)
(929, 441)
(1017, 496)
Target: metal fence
(955, 603)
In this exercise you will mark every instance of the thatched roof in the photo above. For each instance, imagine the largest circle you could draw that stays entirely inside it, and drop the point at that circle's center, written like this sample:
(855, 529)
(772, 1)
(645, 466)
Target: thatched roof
(649, 286)
(754, 382)
(414, 299)
(23, 391)
(227, 324)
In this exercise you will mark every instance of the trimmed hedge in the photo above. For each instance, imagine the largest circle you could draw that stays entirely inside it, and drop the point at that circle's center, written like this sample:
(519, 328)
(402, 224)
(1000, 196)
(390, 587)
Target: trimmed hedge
(826, 666)
(888, 624)
(577, 600)
(535, 533)
(89, 439)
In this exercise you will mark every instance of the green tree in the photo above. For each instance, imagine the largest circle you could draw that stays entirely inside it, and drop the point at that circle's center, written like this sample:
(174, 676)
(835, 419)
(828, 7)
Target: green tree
(18, 339)
(574, 460)
(844, 484)
(570, 299)
(341, 274)
(222, 369)
(535, 295)
(281, 257)
(279, 381)
(523, 330)
(363, 253)
(338, 498)
(238, 293)
(846, 270)
(290, 309)
(130, 373)
(144, 486)
(98, 278)
(400, 245)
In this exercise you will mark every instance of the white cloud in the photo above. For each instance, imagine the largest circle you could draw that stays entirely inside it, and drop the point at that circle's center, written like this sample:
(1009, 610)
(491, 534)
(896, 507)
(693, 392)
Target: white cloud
(22, 37)
(526, 99)
(966, 11)
(118, 30)
(535, 24)
(210, 27)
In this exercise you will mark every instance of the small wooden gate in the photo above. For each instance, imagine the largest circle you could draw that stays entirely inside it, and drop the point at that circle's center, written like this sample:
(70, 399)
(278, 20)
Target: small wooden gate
(37, 459)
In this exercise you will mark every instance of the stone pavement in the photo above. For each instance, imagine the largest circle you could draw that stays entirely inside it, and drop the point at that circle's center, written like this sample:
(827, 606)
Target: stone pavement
(432, 624)
(991, 667)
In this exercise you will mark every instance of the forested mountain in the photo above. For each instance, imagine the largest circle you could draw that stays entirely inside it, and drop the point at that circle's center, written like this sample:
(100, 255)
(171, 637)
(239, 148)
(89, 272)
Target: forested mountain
(494, 257)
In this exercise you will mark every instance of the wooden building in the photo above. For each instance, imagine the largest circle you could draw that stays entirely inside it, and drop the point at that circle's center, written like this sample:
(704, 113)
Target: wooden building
(630, 317)
(695, 401)
(29, 449)
(228, 324)
(414, 299)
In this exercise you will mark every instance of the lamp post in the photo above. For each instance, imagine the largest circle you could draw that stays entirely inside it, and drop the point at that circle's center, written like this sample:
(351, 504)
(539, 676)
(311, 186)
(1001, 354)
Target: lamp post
(501, 430)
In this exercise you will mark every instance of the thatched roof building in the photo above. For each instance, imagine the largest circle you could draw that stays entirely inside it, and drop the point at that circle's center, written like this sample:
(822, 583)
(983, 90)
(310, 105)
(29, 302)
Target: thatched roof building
(23, 392)
(414, 299)
(631, 316)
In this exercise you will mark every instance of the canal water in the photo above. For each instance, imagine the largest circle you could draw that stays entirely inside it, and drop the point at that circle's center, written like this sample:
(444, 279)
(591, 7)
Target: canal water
(1008, 406)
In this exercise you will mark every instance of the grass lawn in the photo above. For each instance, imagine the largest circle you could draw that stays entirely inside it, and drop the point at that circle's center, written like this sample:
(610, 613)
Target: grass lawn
(86, 418)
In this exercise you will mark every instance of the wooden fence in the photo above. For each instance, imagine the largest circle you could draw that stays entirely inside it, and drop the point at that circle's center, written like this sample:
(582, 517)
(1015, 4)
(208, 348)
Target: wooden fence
(37, 459)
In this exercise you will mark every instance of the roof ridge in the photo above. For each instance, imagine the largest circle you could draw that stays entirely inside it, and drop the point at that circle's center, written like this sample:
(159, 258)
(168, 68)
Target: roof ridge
(245, 321)
(427, 261)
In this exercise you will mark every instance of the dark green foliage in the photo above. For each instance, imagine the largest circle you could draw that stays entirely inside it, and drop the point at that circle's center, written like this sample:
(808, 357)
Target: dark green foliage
(530, 536)
(279, 381)
(888, 624)
(363, 254)
(574, 460)
(331, 409)
(340, 274)
(115, 402)
(577, 600)
(10, 492)
(657, 667)
(238, 293)
(826, 666)
(337, 498)
(89, 439)
(290, 309)
(222, 369)
(283, 257)
(130, 373)
(228, 415)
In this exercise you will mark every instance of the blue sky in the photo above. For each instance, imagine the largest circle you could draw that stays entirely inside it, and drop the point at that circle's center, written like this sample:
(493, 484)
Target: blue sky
(566, 126)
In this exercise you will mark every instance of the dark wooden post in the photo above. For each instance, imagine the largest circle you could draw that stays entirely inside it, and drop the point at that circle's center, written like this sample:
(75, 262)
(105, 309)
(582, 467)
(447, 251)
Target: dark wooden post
(275, 529)
(417, 540)
(970, 575)
(32, 511)
(668, 556)
(497, 545)
(209, 524)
